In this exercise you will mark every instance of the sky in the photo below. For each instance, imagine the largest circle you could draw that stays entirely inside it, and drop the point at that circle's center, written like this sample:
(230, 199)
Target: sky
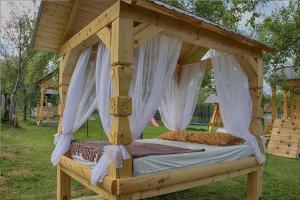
(266, 10)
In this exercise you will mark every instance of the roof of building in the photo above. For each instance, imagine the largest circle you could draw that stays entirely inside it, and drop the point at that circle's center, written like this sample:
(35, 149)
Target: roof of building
(53, 25)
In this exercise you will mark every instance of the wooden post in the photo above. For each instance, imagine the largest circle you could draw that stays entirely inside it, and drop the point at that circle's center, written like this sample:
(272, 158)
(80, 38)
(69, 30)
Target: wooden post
(253, 67)
(292, 112)
(215, 118)
(253, 184)
(42, 99)
(120, 104)
(285, 105)
(274, 104)
(66, 68)
(63, 185)
(297, 114)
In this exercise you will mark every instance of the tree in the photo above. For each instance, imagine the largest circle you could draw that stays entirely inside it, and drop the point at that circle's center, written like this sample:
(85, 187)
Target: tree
(17, 58)
(281, 30)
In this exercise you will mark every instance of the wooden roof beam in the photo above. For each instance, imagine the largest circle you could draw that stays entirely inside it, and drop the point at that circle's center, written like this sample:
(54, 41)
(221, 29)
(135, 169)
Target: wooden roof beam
(70, 20)
(187, 32)
(146, 33)
(195, 55)
(87, 36)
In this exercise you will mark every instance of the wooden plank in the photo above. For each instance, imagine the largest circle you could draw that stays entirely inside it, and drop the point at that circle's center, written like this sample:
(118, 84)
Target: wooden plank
(96, 197)
(297, 113)
(83, 174)
(280, 123)
(292, 111)
(182, 175)
(285, 105)
(70, 17)
(100, 22)
(287, 137)
(190, 184)
(187, 32)
(286, 130)
(274, 103)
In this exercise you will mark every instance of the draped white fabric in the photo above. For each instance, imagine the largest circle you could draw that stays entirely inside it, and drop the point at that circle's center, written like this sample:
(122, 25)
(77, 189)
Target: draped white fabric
(180, 98)
(80, 103)
(234, 98)
(153, 67)
(104, 86)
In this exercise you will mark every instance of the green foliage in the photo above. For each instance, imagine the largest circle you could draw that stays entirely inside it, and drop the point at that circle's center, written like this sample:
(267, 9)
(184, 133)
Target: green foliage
(20, 65)
(282, 31)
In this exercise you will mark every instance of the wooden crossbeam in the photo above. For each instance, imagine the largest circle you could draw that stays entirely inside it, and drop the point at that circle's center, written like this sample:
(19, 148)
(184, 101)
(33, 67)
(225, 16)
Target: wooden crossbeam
(181, 175)
(105, 36)
(86, 36)
(187, 32)
(145, 32)
(195, 55)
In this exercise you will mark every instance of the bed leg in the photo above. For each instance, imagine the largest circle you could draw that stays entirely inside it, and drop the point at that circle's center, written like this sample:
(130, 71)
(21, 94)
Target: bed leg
(253, 182)
(63, 185)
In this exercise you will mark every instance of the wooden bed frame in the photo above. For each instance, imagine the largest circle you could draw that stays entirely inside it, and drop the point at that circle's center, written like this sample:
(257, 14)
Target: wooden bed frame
(122, 26)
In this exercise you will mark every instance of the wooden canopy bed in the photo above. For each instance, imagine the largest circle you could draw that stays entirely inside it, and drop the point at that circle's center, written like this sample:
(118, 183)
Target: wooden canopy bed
(68, 27)
(44, 112)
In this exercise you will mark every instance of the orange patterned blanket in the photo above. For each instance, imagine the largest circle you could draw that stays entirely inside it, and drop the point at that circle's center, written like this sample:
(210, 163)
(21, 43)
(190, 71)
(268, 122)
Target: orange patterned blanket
(217, 139)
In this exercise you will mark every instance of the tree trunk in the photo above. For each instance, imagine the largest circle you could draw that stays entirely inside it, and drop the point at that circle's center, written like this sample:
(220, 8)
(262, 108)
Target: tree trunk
(24, 105)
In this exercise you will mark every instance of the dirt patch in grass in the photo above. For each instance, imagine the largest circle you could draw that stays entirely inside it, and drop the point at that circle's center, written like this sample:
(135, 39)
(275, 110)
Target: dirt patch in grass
(18, 172)
(2, 179)
(5, 154)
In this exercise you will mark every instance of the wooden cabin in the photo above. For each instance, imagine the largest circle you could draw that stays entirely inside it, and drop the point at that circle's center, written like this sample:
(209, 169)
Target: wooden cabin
(285, 136)
(68, 27)
(46, 111)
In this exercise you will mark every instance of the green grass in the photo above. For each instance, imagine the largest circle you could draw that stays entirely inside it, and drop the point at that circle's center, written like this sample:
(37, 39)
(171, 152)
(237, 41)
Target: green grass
(26, 171)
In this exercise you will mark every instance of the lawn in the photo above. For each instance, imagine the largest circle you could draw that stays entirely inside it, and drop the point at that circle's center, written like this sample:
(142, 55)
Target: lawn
(26, 171)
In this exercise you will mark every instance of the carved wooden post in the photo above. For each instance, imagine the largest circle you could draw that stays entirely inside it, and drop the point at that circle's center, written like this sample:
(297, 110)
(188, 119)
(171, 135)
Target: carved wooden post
(120, 103)
(285, 105)
(274, 104)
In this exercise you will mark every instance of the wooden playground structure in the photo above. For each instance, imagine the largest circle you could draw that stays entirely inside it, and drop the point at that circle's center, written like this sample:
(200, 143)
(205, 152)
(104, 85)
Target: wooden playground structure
(285, 136)
(45, 111)
(68, 27)
(216, 120)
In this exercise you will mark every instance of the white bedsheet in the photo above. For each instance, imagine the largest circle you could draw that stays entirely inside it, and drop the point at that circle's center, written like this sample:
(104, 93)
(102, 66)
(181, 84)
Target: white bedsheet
(212, 154)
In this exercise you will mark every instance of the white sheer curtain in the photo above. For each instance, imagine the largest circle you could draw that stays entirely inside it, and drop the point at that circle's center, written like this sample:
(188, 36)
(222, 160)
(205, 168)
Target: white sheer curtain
(153, 67)
(104, 86)
(180, 98)
(234, 98)
(80, 103)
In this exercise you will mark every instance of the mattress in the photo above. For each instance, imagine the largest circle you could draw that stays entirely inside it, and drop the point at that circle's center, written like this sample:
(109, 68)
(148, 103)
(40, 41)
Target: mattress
(156, 163)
